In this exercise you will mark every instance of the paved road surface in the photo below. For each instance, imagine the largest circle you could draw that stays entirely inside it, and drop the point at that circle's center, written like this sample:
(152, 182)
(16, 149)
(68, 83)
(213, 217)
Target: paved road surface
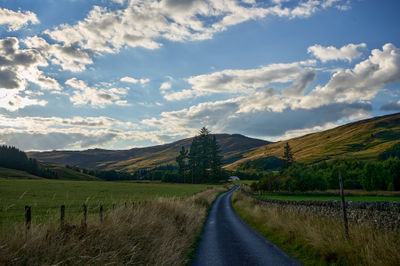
(227, 240)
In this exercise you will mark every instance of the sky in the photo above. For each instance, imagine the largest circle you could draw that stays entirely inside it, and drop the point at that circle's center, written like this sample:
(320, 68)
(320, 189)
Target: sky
(121, 74)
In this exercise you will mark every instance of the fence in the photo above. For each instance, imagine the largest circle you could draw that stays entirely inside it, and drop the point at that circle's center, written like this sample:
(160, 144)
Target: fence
(28, 215)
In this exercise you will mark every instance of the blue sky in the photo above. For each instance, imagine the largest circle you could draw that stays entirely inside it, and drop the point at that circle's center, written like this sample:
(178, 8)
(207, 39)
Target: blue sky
(122, 74)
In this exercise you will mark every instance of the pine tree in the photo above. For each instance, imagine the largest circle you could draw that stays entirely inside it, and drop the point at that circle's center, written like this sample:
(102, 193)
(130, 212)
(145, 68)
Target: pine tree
(181, 160)
(204, 158)
(288, 155)
(215, 162)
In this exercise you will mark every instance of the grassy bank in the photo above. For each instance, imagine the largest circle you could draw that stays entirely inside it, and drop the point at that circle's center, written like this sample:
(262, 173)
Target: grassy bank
(158, 232)
(46, 196)
(325, 198)
(316, 241)
(350, 195)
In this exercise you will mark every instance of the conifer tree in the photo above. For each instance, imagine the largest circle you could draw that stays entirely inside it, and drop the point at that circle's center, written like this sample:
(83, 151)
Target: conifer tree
(181, 160)
(288, 155)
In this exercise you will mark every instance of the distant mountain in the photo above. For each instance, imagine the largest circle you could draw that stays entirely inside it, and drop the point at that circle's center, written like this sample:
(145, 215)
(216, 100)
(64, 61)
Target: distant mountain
(232, 146)
(363, 140)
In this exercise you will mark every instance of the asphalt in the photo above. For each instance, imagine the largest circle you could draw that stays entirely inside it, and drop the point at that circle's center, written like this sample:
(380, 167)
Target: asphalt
(227, 240)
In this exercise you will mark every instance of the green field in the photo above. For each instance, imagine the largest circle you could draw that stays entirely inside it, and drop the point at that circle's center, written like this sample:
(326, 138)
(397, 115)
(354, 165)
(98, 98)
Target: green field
(354, 198)
(46, 196)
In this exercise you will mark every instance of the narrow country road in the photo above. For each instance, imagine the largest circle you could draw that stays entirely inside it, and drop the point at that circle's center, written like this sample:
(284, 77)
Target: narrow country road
(227, 240)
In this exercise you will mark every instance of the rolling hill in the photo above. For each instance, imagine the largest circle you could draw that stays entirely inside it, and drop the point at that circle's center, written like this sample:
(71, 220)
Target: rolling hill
(232, 146)
(363, 140)
(62, 172)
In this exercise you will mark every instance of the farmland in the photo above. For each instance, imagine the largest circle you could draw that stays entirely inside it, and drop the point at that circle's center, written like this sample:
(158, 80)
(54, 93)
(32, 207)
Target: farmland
(46, 196)
(331, 196)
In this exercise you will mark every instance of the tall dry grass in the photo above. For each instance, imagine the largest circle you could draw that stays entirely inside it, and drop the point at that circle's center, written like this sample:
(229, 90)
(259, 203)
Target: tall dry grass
(160, 232)
(315, 240)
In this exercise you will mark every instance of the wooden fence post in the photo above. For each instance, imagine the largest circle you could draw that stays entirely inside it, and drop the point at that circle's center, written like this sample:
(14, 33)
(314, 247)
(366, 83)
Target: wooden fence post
(84, 225)
(101, 213)
(62, 216)
(28, 218)
(346, 224)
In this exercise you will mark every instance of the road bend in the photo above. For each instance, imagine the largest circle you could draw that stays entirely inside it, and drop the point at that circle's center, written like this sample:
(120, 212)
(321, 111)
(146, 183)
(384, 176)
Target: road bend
(227, 240)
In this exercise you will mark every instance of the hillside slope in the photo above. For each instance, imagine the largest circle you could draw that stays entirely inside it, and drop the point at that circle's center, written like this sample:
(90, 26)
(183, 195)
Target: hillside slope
(364, 140)
(232, 146)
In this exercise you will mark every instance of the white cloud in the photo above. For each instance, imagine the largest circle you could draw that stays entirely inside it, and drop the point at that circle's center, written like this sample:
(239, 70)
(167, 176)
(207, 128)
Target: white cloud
(265, 111)
(19, 68)
(146, 23)
(362, 82)
(165, 86)
(94, 96)
(48, 133)
(16, 20)
(248, 81)
(12, 101)
(134, 81)
(347, 52)
(68, 57)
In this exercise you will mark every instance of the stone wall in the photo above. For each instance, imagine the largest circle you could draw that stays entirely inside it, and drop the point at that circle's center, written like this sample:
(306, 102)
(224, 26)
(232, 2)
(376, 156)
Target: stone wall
(380, 214)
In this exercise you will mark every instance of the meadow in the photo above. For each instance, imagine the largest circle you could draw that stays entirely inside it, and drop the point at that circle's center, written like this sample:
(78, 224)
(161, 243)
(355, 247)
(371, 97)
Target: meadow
(327, 196)
(160, 231)
(46, 196)
(319, 241)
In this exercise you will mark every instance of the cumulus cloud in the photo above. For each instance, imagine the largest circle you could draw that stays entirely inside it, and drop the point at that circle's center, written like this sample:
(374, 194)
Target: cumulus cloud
(12, 101)
(67, 56)
(146, 23)
(248, 81)
(48, 133)
(83, 94)
(362, 82)
(18, 68)
(165, 86)
(262, 110)
(347, 52)
(16, 20)
(134, 81)
(227, 116)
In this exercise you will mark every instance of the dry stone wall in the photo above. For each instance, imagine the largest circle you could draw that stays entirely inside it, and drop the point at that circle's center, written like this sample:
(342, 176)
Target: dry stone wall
(380, 214)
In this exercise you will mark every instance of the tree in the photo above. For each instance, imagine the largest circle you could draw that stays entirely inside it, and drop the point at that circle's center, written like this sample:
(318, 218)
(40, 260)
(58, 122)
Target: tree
(215, 162)
(181, 160)
(288, 155)
(204, 158)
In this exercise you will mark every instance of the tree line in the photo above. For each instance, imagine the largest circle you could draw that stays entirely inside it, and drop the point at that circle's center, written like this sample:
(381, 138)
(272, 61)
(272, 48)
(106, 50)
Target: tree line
(383, 174)
(13, 158)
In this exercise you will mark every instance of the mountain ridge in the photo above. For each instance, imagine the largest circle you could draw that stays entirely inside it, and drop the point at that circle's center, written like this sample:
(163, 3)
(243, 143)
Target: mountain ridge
(232, 147)
(363, 139)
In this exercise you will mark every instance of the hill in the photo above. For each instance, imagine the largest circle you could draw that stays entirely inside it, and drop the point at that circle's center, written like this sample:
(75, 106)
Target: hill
(62, 173)
(232, 146)
(16, 174)
(363, 140)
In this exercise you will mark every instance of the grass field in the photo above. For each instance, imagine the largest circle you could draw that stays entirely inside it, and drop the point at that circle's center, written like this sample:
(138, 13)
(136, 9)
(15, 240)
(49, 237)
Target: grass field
(317, 241)
(46, 196)
(324, 198)
(12, 174)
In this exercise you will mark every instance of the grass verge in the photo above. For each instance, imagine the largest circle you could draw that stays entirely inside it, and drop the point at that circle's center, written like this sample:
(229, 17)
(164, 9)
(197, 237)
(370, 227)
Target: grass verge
(157, 232)
(318, 241)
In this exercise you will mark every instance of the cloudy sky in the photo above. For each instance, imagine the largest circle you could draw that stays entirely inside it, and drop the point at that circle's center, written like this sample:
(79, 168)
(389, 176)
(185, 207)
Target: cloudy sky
(122, 74)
